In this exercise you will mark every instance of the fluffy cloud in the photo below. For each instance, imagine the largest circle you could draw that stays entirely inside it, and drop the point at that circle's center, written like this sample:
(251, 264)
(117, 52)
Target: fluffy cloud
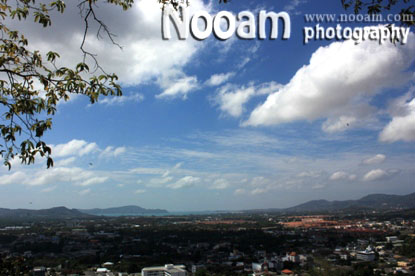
(111, 152)
(375, 175)
(337, 87)
(186, 181)
(65, 162)
(219, 184)
(218, 79)
(341, 175)
(402, 126)
(80, 148)
(378, 158)
(75, 175)
(73, 147)
(231, 98)
(178, 86)
(14, 178)
(144, 56)
(338, 175)
(159, 182)
(379, 174)
(94, 180)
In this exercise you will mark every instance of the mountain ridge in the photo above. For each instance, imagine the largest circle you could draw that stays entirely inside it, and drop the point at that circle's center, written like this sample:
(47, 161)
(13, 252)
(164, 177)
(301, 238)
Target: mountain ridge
(371, 201)
(368, 202)
(59, 212)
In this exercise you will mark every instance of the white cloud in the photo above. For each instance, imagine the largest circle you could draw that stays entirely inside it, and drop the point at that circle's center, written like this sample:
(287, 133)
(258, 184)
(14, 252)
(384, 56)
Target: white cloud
(144, 57)
(139, 191)
(218, 79)
(219, 184)
(231, 98)
(74, 175)
(14, 178)
(178, 86)
(94, 180)
(80, 148)
(111, 152)
(159, 182)
(51, 176)
(337, 87)
(137, 97)
(184, 182)
(340, 175)
(91, 147)
(177, 166)
(378, 158)
(375, 175)
(402, 126)
(65, 162)
(73, 147)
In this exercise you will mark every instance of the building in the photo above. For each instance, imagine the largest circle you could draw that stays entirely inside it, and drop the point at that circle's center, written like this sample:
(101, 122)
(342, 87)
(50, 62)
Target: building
(39, 271)
(293, 257)
(367, 255)
(391, 239)
(167, 270)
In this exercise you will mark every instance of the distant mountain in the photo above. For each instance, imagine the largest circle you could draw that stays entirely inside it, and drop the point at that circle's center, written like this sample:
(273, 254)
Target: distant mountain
(374, 201)
(52, 213)
(125, 210)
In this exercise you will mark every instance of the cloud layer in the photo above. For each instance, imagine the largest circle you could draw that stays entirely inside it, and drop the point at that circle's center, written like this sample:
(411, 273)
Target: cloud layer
(339, 87)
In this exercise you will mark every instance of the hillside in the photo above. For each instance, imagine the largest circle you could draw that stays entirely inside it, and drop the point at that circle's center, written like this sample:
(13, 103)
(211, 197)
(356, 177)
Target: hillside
(51, 213)
(374, 201)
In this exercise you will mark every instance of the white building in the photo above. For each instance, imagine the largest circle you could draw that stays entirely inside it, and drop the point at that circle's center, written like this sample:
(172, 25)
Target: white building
(167, 270)
(367, 255)
(391, 239)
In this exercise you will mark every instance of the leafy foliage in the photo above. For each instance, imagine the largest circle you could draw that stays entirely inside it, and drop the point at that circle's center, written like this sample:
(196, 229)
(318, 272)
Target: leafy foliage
(377, 6)
(31, 85)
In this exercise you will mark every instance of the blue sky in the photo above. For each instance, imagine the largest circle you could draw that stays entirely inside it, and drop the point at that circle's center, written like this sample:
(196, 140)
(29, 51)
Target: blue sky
(235, 124)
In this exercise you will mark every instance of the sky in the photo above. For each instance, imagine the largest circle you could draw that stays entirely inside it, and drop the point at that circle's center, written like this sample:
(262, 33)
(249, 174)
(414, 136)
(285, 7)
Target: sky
(224, 125)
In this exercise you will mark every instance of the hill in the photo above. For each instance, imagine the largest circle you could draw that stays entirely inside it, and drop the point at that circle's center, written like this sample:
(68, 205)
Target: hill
(51, 213)
(374, 202)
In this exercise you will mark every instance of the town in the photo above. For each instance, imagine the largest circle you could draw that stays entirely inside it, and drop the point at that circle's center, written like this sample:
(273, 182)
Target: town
(355, 243)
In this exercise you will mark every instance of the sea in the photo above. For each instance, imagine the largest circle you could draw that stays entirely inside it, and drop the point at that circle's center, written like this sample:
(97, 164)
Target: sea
(169, 214)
